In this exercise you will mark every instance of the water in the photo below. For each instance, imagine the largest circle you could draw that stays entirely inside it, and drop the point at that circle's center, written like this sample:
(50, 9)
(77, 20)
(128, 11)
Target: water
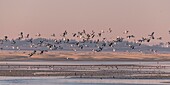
(80, 81)
(165, 63)
(72, 81)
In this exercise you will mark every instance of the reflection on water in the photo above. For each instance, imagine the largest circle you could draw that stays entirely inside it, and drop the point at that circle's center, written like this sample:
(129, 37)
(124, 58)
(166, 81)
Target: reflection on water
(71, 81)
(77, 81)
(166, 63)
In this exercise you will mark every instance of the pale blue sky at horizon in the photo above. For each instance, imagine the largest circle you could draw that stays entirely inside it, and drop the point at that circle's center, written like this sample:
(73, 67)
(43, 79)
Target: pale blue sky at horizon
(140, 17)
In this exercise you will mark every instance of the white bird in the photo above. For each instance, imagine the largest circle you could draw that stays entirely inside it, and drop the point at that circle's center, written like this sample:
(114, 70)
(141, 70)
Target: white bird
(126, 32)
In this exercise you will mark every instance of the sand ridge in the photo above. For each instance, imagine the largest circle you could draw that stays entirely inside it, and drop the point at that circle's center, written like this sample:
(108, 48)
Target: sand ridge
(62, 55)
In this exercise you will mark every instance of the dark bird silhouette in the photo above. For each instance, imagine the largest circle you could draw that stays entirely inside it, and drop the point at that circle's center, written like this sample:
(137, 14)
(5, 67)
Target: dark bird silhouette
(27, 35)
(130, 36)
(6, 38)
(110, 44)
(148, 40)
(119, 39)
(65, 33)
(98, 50)
(42, 51)
(132, 46)
(84, 31)
(92, 36)
(30, 40)
(22, 35)
(13, 41)
(31, 54)
(74, 34)
(140, 40)
(40, 42)
(159, 38)
(152, 35)
(57, 41)
(81, 46)
(100, 34)
(110, 30)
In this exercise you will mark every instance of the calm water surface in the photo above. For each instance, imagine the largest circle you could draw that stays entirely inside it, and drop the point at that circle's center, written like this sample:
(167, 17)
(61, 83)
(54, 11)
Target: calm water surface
(167, 63)
(77, 81)
(72, 81)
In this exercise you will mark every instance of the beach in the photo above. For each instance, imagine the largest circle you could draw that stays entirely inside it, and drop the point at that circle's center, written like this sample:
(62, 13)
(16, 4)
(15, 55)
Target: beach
(82, 56)
(84, 68)
(101, 65)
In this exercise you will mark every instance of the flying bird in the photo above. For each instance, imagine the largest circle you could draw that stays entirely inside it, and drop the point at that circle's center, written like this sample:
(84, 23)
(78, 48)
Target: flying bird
(126, 32)
(31, 54)
(6, 38)
(152, 35)
(159, 38)
(38, 34)
(27, 36)
(110, 30)
(130, 36)
(53, 35)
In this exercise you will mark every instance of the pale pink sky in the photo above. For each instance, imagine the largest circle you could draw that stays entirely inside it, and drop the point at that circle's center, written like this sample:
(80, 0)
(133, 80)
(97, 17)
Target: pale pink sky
(54, 16)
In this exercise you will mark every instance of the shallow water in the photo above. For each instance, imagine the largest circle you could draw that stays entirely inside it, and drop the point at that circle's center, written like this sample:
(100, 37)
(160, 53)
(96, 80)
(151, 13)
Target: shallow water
(72, 81)
(84, 62)
(78, 81)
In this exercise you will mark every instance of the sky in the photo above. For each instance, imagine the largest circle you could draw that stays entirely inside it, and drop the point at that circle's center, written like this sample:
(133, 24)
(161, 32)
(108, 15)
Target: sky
(140, 17)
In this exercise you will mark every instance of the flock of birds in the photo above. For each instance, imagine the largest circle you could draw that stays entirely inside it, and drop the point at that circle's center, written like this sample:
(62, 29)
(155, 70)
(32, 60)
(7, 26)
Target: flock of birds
(82, 40)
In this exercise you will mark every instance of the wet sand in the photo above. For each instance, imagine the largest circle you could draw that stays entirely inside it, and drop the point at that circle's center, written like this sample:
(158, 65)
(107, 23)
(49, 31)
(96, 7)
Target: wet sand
(116, 71)
(89, 71)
